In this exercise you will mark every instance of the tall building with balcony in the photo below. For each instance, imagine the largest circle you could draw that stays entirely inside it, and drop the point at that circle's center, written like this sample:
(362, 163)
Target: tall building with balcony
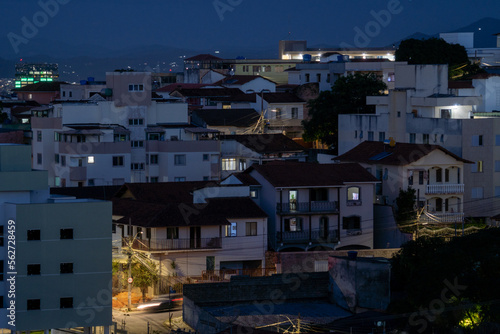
(313, 206)
(435, 173)
(122, 135)
(55, 257)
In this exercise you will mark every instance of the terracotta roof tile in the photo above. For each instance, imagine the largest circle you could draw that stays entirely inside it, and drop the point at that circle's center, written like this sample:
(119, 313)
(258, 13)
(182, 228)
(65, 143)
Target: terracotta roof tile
(374, 152)
(267, 143)
(302, 174)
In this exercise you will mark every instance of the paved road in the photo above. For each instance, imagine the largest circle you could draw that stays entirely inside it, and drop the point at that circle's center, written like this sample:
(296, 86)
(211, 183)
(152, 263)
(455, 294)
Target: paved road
(137, 322)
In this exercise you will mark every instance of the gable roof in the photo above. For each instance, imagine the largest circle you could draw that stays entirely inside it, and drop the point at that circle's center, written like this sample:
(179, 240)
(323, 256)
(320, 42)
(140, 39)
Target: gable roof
(227, 117)
(162, 192)
(281, 98)
(374, 152)
(239, 79)
(285, 174)
(267, 143)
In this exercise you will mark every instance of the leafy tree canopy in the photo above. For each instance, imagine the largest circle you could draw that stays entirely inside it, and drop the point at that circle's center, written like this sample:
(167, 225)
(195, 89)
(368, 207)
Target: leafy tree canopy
(405, 203)
(145, 274)
(449, 284)
(347, 96)
(437, 51)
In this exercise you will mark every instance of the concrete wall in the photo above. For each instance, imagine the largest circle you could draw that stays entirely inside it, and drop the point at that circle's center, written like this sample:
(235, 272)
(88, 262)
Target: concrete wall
(297, 262)
(275, 288)
(359, 283)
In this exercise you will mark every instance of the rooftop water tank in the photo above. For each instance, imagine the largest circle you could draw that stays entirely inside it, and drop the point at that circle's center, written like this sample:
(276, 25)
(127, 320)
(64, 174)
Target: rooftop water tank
(90, 79)
(83, 82)
(306, 57)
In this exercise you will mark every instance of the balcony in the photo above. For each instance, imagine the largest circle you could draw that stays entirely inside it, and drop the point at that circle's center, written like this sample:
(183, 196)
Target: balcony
(304, 237)
(78, 173)
(442, 218)
(441, 189)
(307, 207)
(176, 244)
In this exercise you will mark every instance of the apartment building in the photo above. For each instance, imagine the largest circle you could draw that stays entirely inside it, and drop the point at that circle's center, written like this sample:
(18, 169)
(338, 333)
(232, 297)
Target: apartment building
(56, 252)
(313, 206)
(122, 135)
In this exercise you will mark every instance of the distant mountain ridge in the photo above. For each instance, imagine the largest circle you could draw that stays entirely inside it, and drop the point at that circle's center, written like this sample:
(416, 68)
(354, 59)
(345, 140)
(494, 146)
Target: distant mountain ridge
(77, 62)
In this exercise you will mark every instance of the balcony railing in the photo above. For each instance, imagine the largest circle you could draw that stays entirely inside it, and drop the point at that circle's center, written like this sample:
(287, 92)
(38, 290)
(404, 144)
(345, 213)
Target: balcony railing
(442, 218)
(444, 189)
(176, 244)
(300, 237)
(314, 206)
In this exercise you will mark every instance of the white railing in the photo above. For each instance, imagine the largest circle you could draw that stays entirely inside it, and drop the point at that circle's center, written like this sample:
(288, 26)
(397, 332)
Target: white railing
(445, 189)
(442, 218)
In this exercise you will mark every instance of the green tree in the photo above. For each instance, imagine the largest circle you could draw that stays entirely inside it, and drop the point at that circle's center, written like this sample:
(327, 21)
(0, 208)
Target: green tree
(437, 51)
(405, 202)
(347, 96)
(145, 274)
(443, 285)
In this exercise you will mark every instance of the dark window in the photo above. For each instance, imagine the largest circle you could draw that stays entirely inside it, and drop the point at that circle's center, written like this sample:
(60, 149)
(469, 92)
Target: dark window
(39, 158)
(153, 159)
(1, 272)
(251, 228)
(63, 160)
(1, 235)
(446, 175)
(56, 158)
(33, 235)
(353, 222)
(205, 157)
(66, 233)
(439, 175)
(66, 302)
(180, 159)
(319, 194)
(439, 204)
(118, 161)
(172, 233)
(66, 268)
(33, 304)
(113, 228)
(34, 269)
(421, 177)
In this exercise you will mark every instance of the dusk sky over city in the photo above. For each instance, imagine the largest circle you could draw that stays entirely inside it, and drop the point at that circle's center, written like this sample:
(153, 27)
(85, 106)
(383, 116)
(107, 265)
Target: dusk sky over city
(223, 24)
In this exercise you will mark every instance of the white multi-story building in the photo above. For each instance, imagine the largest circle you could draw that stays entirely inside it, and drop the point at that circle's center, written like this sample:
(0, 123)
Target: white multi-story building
(424, 108)
(56, 252)
(122, 136)
(313, 206)
(435, 173)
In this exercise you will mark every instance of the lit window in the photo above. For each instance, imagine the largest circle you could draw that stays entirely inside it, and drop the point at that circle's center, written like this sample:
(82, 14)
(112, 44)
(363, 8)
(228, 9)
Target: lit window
(231, 230)
(353, 194)
(90, 159)
(229, 164)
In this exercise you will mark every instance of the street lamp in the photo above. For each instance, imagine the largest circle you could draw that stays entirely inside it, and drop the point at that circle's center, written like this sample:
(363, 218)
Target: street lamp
(129, 262)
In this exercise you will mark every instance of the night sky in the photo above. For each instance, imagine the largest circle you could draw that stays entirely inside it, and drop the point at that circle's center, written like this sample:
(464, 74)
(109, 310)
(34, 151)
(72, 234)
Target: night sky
(223, 24)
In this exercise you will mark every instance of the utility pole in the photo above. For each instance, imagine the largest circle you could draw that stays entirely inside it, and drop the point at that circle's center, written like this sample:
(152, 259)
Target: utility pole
(129, 280)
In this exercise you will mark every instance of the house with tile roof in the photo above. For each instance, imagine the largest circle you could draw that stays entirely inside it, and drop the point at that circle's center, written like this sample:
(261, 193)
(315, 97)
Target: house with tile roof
(248, 83)
(240, 151)
(283, 112)
(313, 206)
(193, 228)
(434, 172)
